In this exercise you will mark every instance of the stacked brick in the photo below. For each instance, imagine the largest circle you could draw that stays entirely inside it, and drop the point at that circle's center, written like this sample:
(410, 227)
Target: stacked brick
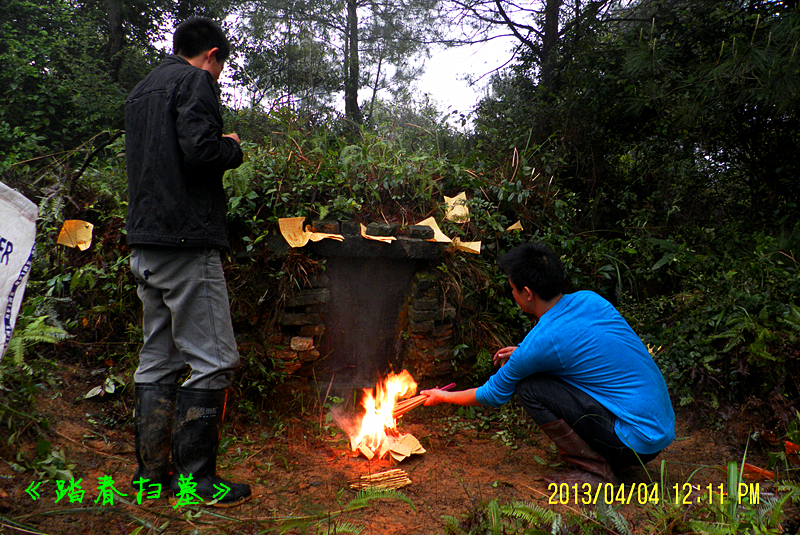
(430, 341)
(302, 324)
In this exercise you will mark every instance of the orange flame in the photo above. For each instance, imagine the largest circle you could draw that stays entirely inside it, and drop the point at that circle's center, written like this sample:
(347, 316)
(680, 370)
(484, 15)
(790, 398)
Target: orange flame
(378, 417)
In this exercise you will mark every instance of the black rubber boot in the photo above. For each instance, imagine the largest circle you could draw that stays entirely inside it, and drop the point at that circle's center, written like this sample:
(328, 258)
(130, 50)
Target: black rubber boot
(195, 437)
(575, 451)
(154, 405)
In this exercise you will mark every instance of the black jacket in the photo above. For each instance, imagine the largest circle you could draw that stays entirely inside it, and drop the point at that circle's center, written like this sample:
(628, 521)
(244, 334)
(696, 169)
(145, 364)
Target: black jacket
(176, 157)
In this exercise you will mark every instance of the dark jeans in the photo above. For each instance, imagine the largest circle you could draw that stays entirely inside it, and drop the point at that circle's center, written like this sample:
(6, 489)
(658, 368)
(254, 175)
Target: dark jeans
(547, 399)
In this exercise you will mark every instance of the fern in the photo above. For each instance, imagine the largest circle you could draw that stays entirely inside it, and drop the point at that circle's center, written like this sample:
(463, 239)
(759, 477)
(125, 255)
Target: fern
(711, 528)
(531, 513)
(451, 525)
(32, 331)
(606, 512)
(340, 527)
(326, 523)
(558, 525)
(792, 319)
(495, 517)
(363, 498)
(738, 325)
(777, 508)
(741, 326)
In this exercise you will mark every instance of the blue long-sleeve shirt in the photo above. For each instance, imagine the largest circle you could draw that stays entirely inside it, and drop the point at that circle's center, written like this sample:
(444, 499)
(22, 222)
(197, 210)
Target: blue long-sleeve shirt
(587, 343)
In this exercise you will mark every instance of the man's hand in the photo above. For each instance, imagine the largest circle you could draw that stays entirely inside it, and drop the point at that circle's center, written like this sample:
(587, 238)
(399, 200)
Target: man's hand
(234, 137)
(435, 396)
(459, 397)
(502, 355)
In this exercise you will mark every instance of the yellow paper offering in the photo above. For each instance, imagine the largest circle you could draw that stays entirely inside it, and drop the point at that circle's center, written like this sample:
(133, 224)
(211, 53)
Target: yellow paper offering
(384, 239)
(292, 231)
(438, 235)
(457, 209)
(473, 247)
(76, 233)
(294, 234)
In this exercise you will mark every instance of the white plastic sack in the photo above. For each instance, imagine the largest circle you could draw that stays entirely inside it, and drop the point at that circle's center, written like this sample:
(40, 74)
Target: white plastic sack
(17, 236)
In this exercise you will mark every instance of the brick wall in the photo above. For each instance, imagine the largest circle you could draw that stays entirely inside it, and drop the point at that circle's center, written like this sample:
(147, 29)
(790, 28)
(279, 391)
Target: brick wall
(425, 332)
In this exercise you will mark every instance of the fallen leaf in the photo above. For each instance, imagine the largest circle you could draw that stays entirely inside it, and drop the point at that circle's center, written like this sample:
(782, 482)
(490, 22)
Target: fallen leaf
(94, 392)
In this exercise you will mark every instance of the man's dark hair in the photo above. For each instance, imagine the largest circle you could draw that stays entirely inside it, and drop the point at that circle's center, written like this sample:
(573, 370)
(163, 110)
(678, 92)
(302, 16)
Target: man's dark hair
(197, 35)
(536, 266)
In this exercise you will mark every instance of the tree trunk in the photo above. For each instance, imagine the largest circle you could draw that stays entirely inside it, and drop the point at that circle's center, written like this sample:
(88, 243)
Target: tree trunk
(375, 87)
(552, 10)
(116, 37)
(351, 67)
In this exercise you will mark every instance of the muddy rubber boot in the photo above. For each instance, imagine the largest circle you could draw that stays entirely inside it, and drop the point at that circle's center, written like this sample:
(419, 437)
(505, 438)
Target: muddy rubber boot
(575, 451)
(195, 437)
(154, 405)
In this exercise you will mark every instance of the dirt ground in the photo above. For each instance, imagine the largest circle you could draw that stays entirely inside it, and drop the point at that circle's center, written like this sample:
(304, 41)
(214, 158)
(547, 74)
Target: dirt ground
(301, 470)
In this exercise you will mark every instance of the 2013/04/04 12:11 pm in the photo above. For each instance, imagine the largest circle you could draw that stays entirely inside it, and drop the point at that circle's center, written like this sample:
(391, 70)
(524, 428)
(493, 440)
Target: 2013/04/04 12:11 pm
(644, 493)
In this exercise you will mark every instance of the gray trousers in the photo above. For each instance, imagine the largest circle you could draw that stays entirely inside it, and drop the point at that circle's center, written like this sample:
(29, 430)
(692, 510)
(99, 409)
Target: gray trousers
(187, 319)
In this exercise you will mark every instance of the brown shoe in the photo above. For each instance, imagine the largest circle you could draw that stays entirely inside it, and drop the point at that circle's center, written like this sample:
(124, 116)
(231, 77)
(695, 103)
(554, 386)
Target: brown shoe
(575, 451)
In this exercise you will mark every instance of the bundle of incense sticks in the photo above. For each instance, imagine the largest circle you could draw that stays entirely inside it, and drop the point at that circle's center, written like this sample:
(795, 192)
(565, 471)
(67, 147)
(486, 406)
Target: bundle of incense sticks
(391, 479)
(407, 404)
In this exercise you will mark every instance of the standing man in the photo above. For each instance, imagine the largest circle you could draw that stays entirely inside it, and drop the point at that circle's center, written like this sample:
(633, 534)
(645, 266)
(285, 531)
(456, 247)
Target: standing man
(581, 373)
(176, 226)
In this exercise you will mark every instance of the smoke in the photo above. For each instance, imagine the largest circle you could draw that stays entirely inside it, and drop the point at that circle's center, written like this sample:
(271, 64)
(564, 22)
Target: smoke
(345, 420)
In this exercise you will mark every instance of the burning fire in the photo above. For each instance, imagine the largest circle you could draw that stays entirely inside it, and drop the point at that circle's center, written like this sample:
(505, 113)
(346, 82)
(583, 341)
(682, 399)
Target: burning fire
(378, 431)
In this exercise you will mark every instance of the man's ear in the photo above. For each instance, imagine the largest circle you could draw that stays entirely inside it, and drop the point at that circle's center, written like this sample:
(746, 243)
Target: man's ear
(212, 53)
(528, 294)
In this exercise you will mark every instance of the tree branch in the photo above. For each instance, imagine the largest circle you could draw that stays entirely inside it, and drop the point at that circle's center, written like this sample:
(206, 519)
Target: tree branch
(513, 27)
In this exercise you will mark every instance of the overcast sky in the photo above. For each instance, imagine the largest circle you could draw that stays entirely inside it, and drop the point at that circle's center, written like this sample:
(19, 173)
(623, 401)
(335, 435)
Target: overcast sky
(444, 79)
(446, 70)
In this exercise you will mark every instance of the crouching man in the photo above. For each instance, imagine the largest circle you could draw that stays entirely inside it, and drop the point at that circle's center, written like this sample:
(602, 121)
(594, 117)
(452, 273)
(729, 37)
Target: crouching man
(176, 227)
(581, 373)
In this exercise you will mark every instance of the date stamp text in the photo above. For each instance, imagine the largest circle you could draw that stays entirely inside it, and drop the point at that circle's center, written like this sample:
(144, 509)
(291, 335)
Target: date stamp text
(648, 493)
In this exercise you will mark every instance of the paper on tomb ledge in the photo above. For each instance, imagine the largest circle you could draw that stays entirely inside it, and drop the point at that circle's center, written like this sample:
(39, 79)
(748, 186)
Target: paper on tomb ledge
(294, 234)
(438, 235)
(384, 239)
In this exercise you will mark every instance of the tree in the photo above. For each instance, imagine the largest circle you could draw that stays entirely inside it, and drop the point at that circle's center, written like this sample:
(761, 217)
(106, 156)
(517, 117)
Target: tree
(376, 44)
(67, 66)
(688, 108)
(287, 65)
(536, 27)
(730, 77)
(132, 24)
(54, 90)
